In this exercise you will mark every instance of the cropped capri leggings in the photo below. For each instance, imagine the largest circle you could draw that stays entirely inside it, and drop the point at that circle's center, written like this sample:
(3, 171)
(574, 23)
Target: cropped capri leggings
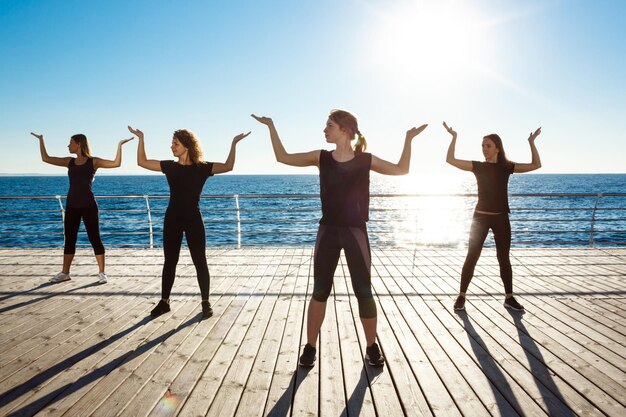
(92, 226)
(355, 243)
(192, 226)
(481, 223)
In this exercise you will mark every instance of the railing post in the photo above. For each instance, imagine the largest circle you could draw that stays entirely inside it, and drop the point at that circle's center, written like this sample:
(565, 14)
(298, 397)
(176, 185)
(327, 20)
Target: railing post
(149, 221)
(238, 222)
(58, 197)
(593, 220)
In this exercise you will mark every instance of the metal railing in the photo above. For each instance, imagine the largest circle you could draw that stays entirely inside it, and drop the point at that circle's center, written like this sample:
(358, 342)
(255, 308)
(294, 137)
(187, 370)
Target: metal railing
(396, 220)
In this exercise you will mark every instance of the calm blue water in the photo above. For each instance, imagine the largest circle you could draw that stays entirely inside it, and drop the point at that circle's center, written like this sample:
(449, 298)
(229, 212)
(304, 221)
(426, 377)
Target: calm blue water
(427, 219)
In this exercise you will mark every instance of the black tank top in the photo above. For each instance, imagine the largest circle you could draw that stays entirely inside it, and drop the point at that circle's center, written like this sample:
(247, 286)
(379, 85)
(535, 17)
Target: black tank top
(344, 190)
(493, 181)
(81, 178)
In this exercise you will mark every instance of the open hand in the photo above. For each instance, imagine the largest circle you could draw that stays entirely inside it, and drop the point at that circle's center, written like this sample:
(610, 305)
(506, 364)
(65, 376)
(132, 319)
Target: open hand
(411, 133)
(533, 135)
(123, 141)
(450, 130)
(40, 137)
(262, 119)
(136, 132)
(239, 137)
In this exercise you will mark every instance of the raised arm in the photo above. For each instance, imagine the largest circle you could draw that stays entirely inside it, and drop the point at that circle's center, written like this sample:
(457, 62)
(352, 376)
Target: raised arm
(61, 162)
(142, 161)
(450, 158)
(402, 167)
(106, 163)
(535, 163)
(219, 168)
(294, 159)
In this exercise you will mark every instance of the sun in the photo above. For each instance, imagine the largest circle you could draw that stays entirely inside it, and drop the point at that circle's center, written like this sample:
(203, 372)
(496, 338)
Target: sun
(431, 41)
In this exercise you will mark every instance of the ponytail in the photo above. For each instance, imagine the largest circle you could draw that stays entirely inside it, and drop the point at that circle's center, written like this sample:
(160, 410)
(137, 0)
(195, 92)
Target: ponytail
(361, 144)
(347, 121)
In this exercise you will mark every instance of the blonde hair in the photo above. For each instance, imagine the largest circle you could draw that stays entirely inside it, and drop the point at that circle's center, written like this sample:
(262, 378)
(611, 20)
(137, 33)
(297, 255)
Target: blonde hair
(347, 121)
(188, 139)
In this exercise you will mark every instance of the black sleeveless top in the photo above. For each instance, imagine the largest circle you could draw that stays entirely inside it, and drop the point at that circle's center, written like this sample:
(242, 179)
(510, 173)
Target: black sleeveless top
(493, 181)
(186, 183)
(81, 178)
(344, 190)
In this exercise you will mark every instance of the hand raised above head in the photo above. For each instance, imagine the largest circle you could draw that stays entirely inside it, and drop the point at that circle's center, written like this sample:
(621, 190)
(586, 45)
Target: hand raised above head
(123, 141)
(449, 129)
(240, 136)
(411, 133)
(136, 132)
(262, 119)
(533, 135)
(40, 137)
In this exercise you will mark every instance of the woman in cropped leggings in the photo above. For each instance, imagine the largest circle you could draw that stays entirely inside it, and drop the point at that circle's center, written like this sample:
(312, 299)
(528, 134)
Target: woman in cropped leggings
(186, 178)
(344, 193)
(80, 202)
(492, 209)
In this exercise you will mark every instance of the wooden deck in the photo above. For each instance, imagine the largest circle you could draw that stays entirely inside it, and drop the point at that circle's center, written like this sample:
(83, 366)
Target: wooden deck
(79, 349)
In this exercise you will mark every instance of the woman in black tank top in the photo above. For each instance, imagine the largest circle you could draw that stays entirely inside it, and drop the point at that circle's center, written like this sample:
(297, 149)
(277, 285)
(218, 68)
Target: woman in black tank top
(492, 209)
(344, 194)
(185, 177)
(80, 202)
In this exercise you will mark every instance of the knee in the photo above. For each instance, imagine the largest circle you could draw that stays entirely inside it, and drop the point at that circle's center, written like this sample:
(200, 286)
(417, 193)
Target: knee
(367, 308)
(321, 294)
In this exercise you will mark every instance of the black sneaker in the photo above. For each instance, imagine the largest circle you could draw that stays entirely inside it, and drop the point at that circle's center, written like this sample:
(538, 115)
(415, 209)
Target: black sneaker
(373, 355)
(307, 359)
(459, 304)
(161, 308)
(512, 303)
(207, 311)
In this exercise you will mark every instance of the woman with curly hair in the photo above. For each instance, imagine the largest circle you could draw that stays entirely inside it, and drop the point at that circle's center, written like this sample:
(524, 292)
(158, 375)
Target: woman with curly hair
(186, 178)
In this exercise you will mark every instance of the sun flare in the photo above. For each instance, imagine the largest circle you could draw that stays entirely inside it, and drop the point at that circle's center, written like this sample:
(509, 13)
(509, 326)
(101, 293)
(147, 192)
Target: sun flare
(431, 41)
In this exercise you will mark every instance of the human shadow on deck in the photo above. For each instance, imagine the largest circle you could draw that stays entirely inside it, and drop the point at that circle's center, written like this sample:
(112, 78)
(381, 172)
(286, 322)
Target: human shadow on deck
(47, 295)
(356, 399)
(284, 405)
(553, 399)
(503, 393)
(68, 389)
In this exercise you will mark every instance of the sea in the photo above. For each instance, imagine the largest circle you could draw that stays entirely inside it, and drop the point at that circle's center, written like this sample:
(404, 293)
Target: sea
(547, 210)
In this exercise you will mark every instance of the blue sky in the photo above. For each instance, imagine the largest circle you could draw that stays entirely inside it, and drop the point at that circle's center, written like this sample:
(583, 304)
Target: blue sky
(483, 66)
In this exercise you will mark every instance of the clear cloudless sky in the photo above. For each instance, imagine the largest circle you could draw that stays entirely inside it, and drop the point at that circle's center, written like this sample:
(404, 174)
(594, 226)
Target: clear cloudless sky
(484, 66)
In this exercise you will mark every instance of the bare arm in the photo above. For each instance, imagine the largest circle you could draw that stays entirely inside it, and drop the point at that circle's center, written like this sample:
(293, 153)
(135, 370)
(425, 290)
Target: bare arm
(450, 158)
(402, 167)
(105, 163)
(142, 161)
(219, 168)
(294, 159)
(535, 161)
(52, 160)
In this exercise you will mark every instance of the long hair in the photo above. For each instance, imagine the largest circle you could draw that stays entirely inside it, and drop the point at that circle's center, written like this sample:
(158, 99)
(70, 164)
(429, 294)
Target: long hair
(502, 159)
(189, 141)
(83, 143)
(347, 121)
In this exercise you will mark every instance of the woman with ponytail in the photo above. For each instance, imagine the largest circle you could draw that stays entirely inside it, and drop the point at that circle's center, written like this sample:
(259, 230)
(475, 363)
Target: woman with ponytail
(80, 202)
(344, 193)
(492, 209)
(186, 178)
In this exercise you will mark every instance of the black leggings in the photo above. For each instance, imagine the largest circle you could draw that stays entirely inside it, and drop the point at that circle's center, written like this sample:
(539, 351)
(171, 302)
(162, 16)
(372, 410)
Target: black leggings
(193, 227)
(481, 223)
(355, 243)
(92, 226)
